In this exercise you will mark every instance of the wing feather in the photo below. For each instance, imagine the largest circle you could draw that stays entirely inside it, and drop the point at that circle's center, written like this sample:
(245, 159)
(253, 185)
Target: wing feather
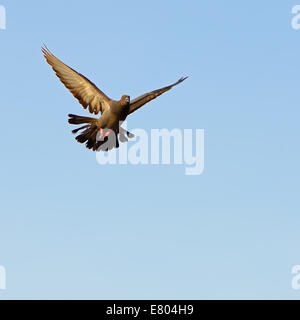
(82, 88)
(143, 99)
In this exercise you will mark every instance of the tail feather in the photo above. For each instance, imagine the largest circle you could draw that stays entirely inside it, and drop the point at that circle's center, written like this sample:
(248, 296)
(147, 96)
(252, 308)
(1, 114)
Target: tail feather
(86, 135)
(89, 135)
(81, 128)
(74, 119)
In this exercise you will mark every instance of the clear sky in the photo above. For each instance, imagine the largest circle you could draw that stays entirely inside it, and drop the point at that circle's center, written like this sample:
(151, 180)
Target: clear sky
(73, 229)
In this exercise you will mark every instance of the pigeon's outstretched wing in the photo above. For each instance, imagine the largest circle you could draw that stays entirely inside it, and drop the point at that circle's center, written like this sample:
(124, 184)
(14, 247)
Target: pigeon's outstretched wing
(143, 99)
(81, 87)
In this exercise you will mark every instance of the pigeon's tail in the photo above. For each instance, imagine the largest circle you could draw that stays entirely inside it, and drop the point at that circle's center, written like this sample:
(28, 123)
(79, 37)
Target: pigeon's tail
(89, 135)
(74, 119)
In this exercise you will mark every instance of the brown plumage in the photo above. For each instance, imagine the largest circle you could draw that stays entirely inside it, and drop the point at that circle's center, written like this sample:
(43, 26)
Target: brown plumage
(99, 133)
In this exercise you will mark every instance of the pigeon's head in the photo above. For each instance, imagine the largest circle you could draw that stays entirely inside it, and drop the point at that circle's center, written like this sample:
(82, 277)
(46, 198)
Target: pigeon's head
(125, 100)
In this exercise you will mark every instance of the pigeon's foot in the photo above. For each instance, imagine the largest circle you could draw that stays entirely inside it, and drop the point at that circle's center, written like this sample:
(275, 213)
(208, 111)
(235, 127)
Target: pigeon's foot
(107, 134)
(101, 133)
(104, 133)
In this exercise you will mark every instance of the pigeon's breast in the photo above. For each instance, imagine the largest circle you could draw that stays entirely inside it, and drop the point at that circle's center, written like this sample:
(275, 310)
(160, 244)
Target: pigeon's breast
(124, 113)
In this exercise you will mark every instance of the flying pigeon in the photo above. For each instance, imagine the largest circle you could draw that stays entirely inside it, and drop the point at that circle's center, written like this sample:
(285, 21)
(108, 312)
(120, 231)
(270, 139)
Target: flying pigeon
(96, 132)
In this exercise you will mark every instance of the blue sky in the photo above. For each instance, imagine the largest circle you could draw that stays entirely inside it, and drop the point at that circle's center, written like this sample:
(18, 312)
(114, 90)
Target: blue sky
(72, 229)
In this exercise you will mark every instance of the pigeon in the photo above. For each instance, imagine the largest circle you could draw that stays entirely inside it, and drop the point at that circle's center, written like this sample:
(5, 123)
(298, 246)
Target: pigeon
(104, 133)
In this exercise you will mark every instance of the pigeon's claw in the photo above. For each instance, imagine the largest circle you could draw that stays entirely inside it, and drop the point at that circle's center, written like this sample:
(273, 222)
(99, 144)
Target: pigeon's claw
(107, 133)
(104, 133)
(101, 133)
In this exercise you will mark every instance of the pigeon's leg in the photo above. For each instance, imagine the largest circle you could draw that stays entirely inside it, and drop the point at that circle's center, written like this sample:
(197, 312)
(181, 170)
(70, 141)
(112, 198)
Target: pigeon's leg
(101, 133)
(104, 133)
(107, 133)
